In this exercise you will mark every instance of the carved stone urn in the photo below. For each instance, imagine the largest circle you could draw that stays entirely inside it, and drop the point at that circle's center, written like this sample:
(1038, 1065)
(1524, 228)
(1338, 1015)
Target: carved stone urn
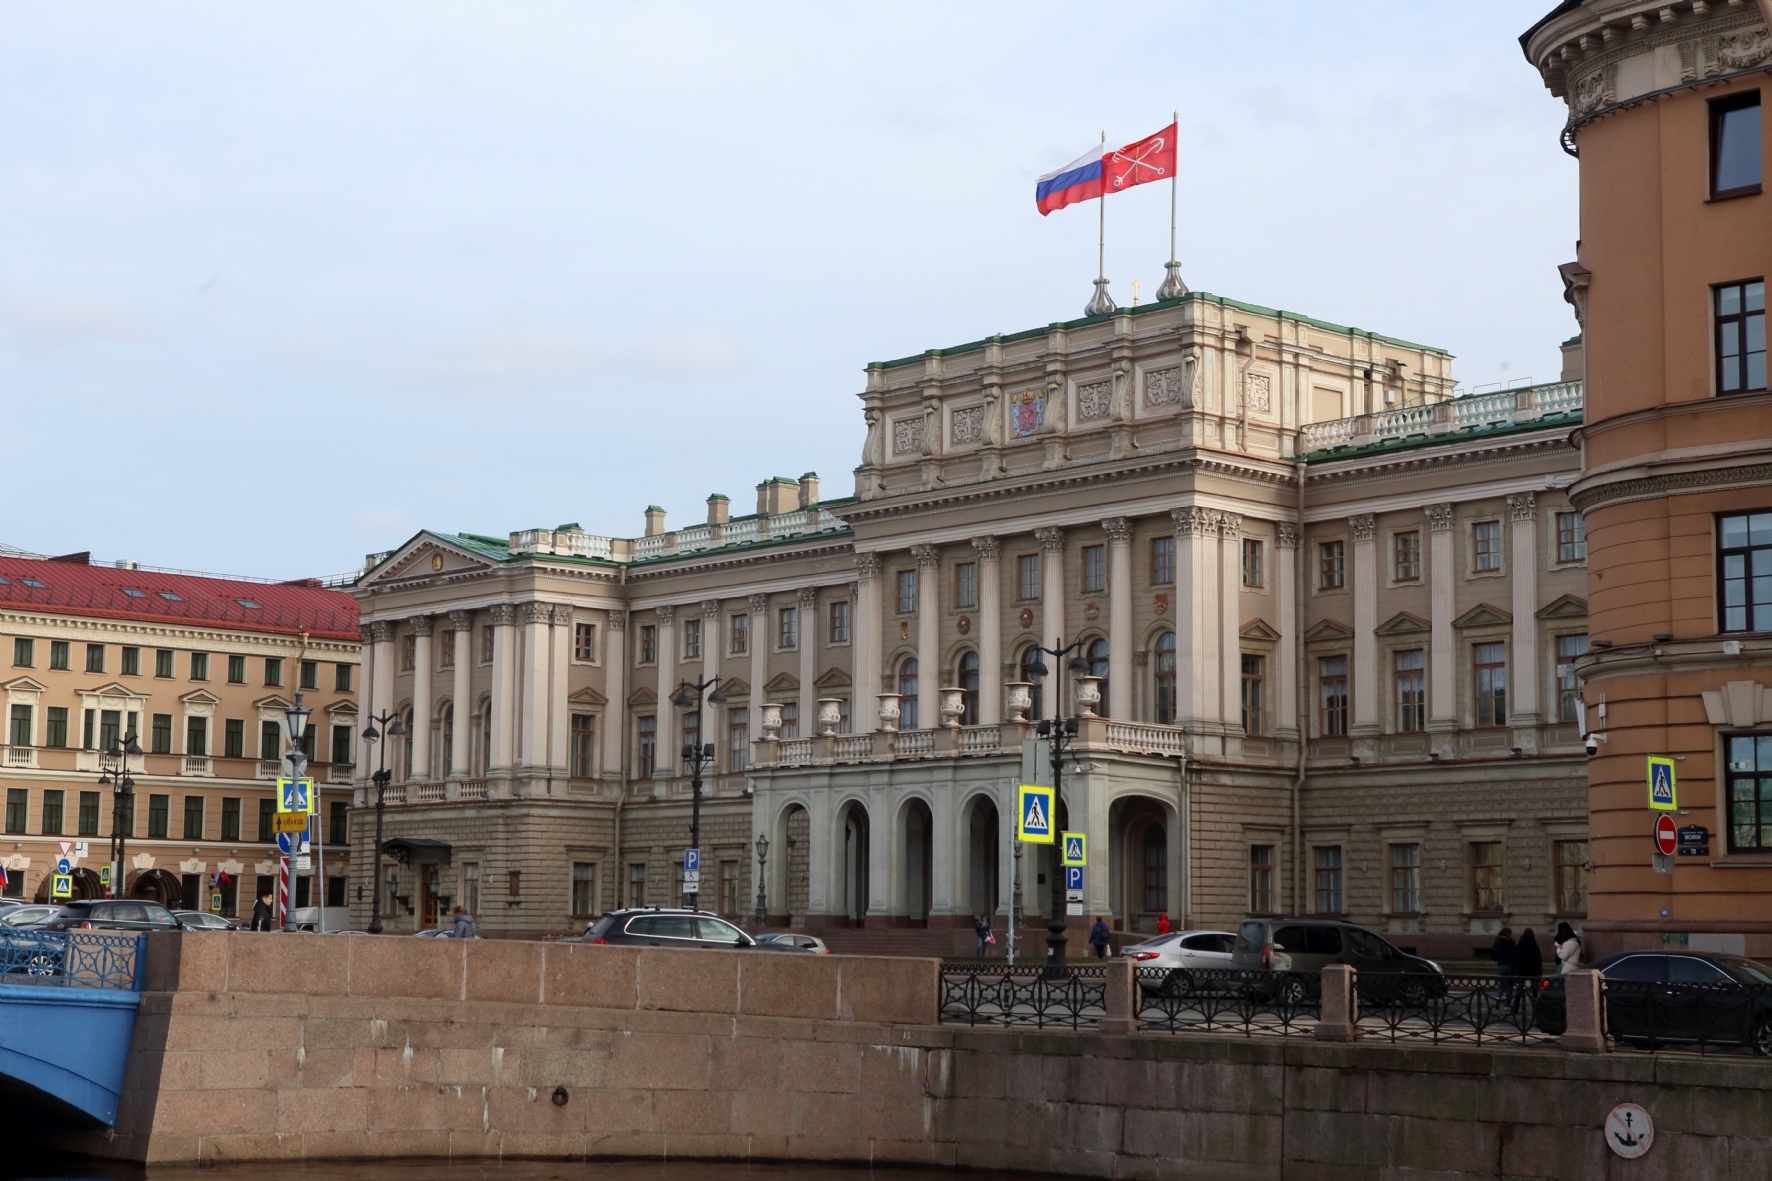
(771, 723)
(1019, 700)
(1088, 690)
(830, 716)
(889, 712)
(953, 707)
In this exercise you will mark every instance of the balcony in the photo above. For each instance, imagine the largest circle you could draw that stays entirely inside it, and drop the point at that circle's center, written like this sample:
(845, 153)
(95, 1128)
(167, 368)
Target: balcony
(21, 756)
(341, 773)
(198, 765)
(270, 768)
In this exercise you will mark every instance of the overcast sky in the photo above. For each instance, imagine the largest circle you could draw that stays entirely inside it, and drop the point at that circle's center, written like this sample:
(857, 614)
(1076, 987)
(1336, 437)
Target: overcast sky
(282, 283)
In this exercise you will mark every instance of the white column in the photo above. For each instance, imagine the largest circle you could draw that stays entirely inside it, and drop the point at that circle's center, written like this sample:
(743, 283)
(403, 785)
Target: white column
(928, 635)
(808, 673)
(758, 638)
(1286, 608)
(866, 640)
(559, 714)
(1052, 612)
(1196, 690)
(422, 627)
(1364, 590)
(1121, 696)
(669, 745)
(461, 694)
(989, 628)
(615, 677)
(384, 685)
(1442, 698)
(504, 687)
(1230, 620)
(536, 618)
(366, 701)
(1523, 685)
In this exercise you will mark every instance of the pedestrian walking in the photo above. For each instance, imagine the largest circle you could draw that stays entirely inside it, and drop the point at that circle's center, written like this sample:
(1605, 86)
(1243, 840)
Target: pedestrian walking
(464, 925)
(1098, 937)
(1528, 962)
(262, 912)
(1568, 945)
(1502, 952)
(982, 929)
(1163, 923)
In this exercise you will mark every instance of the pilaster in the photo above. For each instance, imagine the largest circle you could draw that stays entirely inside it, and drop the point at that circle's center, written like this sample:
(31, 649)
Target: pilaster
(928, 636)
(615, 672)
(989, 628)
(808, 672)
(1286, 623)
(1442, 699)
(1523, 688)
(1365, 596)
(866, 639)
(461, 695)
(1120, 679)
(422, 627)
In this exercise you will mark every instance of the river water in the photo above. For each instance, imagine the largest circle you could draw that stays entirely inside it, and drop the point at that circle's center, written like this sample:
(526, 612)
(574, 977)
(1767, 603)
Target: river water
(427, 1170)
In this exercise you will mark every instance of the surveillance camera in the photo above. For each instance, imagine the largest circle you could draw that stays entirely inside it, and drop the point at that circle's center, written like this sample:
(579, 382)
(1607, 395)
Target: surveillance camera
(1592, 744)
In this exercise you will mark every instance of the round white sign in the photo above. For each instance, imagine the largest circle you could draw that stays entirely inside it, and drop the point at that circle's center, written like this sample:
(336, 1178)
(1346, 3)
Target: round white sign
(1629, 1131)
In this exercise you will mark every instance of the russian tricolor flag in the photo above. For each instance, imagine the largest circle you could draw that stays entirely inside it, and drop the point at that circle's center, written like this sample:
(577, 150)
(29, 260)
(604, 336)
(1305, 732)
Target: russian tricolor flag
(1080, 180)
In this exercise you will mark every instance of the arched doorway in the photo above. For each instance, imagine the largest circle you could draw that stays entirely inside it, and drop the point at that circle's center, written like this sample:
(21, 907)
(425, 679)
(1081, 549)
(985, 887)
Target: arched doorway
(797, 864)
(1144, 880)
(157, 885)
(853, 828)
(917, 829)
(983, 864)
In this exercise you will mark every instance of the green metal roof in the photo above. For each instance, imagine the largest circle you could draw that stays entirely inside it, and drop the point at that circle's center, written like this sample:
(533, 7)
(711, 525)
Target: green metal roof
(1334, 454)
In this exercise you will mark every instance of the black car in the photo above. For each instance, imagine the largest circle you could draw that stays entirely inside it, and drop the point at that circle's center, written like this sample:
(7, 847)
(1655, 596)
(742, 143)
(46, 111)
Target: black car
(1302, 947)
(112, 914)
(1671, 998)
(672, 927)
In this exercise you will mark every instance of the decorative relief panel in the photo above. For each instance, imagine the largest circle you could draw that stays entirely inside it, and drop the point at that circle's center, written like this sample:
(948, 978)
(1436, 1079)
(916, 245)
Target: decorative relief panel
(967, 425)
(1258, 393)
(1163, 388)
(1094, 400)
(1742, 49)
(907, 436)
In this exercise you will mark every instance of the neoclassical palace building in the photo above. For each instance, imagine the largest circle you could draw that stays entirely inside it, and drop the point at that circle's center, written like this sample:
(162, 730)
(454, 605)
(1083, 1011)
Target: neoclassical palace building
(1328, 614)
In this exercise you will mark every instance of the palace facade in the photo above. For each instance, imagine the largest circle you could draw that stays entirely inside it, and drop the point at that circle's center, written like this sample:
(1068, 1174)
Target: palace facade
(1328, 615)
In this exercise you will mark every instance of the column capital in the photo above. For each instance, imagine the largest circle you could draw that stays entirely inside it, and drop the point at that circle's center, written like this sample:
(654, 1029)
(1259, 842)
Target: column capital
(377, 633)
(1439, 517)
(618, 621)
(1523, 506)
(535, 611)
(710, 608)
(422, 625)
(989, 548)
(1051, 539)
(1286, 536)
(867, 565)
(1365, 527)
(759, 604)
(461, 621)
(563, 613)
(1230, 525)
(1193, 521)
(808, 597)
(1118, 529)
(928, 556)
(503, 614)
(667, 615)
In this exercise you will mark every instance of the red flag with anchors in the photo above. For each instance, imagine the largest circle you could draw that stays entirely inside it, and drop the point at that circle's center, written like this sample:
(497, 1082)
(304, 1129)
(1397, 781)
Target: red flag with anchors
(1151, 158)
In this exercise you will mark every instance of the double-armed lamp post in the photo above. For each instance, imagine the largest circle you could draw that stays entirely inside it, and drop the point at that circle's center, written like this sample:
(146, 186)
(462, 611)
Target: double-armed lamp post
(697, 756)
(114, 763)
(1059, 732)
(390, 726)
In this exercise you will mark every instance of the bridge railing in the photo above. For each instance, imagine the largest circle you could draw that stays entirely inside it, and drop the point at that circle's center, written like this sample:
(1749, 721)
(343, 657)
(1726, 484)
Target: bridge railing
(73, 959)
(1229, 1000)
(1023, 996)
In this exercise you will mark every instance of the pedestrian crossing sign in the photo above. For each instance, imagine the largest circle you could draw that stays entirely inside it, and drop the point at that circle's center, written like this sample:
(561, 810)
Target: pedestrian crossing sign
(61, 885)
(296, 795)
(1076, 848)
(1033, 814)
(1662, 784)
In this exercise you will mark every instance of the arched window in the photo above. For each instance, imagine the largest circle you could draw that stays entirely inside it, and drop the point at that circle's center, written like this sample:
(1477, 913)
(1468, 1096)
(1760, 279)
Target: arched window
(907, 688)
(1030, 656)
(1097, 656)
(447, 761)
(1165, 671)
(969, 688)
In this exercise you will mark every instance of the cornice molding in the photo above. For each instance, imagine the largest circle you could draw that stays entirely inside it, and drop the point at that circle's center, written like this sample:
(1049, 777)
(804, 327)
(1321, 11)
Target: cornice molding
(1599, 494)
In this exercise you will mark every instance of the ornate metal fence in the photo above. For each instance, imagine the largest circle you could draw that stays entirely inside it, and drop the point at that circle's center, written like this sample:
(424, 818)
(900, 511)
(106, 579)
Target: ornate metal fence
(1226, 1000)
(1472, 1010)
(72, 959)
(1704, 1018)
(1023, 996)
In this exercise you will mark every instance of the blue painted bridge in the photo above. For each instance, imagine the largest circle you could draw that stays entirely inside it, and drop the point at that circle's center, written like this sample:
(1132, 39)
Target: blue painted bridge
(67, 1010)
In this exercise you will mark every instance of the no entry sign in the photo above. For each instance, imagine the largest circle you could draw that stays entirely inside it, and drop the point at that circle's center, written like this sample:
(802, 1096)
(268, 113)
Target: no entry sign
(1667, 837)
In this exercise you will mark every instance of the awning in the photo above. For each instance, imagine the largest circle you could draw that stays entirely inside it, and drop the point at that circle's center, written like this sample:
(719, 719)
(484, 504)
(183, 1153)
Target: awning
(406, 850)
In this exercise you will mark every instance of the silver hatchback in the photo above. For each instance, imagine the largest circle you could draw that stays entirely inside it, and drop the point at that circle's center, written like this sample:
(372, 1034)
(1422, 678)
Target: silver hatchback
(1180, 954)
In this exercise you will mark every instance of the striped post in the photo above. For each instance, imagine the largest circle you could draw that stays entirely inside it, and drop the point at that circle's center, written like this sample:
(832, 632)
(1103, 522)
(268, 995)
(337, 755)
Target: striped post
(283, 891)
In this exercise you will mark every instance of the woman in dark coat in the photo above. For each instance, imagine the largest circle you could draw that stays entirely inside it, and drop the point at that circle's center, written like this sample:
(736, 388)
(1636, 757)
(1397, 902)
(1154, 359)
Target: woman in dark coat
(1502, 952)
(1528, 960)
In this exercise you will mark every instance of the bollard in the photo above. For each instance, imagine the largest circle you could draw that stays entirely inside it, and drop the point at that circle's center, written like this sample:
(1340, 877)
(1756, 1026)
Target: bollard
(1120, 998)
(1340, 1021)
(1584, 1029)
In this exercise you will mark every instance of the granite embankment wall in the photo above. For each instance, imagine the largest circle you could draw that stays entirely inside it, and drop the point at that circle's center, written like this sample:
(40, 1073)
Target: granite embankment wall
(268, 1048)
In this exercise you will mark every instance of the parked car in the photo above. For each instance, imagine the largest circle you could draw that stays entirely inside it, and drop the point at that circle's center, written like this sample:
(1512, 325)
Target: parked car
(810, 943)
(441, 933)
(24, 917)
(202, 920)
(1706, 998)
(673, 927)
(1303, 947)
(1182, 953)
(112, 914)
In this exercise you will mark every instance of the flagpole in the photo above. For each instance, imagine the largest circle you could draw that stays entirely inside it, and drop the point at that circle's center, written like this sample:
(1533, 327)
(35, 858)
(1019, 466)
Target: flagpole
(1101, 302)
(1173, 287)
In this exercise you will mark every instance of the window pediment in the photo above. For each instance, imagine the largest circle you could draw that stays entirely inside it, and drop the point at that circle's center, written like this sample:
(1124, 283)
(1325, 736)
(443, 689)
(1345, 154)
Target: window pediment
(589, 697)
(1260, 631)
(642, 697)
(833, 678)
(1564, 607)
(1483, 615)
(1329, 631)
(782, 684)
(1404, 624)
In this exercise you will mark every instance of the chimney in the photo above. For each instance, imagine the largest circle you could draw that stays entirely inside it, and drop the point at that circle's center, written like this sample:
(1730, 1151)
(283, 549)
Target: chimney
(654, 520)
(776, 495)
(1574, 360)
(719, 509)
(808, 489)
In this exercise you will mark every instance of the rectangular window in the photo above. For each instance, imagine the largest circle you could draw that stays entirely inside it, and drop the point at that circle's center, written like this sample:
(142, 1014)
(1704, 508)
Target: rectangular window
(58, 655)
(236, 670)
(341, 747)
(408, 656)
(843, 722)
(1405, 879)
(692, 728)
(840, 622)
(1261, 879)
(1252, 571)
(95, 658)
(56, 726)
(966, 585)
(1570, 858)
(584, 875)
(1749, 786)
(274, 668)
(270, 740)
(163, 662)
(159, 808)
(52, 812)
(1571, 538)
(1332, 694)
(1489, 663)
(1741, 337)
(21, 726)
(907, 592)
(110, 728)
(648, 752)
(1254, 671)
(1094, 568)
(648, 649)
(1328, 880)
(197, 736)
(738, 738)
(1331, 565)
(1735, 145)
(1486, 540)
(729, 889)
(266, 809)
(787, 628)
(584, 745)
(1485, 877)
(488, 644)
(88, 814)
(691, 639)
(341, 677)
(1411, 692)
(234, 739)
(584, 642)
(17, 803)
(637, 884)
(162, 735)
(230, 818)
(1568, 688)
(1162, 561)
(310, 674)
(338, 828)
(23, 653)
(470, 886)
(790, 719)
(1406, 556)
(86, 734)
(738, 635)
(514, 883)
(199, 666)
(446, 648)
(1027, 577)
(131, 662)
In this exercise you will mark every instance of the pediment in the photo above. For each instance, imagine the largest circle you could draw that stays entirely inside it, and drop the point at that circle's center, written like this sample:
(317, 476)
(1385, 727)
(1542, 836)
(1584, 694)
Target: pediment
(274, 701)
(1327, 630)
(339, 708)
(588, 696)
(1404, 624)
(1564, 607)
(781, 683)
(1259, 630)
(199, 697)
(24, 685)
(427, 556)
(1483, 615)
(642, 697)
(115, 689)
(735, 687)
(833, 678)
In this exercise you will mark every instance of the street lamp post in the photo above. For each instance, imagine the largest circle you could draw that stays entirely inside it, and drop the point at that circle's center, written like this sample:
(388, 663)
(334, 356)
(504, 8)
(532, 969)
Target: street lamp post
(390, 726)
(1060, 732)
(762, 876)
(114, 763)
(296, 717)
(698, 756)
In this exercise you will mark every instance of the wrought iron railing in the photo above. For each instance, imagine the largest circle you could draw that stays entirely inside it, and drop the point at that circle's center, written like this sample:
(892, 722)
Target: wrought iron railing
(1705, 1018)
(72, 959)
(1024, 996)
(1229, 1000)
(1472, 1010)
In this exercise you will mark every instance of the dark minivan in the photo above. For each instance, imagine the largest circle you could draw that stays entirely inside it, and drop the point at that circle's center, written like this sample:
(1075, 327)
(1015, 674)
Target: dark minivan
(1306, 946)
(112, 914)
